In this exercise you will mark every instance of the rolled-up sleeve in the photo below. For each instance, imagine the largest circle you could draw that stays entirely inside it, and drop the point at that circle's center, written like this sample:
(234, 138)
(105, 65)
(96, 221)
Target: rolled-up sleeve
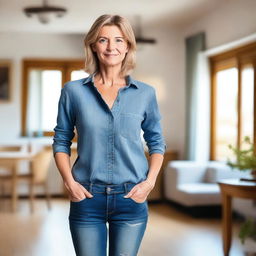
(152, 127)
(64, 130)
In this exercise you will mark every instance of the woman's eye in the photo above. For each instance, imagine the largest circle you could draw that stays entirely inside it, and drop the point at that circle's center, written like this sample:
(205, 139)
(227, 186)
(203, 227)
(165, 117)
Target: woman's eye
(102, 40)
(119, 40)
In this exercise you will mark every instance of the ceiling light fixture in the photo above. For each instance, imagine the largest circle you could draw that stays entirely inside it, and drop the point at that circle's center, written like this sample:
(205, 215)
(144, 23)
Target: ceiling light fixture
(44, 12)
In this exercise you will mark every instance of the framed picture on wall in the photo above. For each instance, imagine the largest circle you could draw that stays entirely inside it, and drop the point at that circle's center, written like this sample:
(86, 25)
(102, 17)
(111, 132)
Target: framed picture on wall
(5, 80)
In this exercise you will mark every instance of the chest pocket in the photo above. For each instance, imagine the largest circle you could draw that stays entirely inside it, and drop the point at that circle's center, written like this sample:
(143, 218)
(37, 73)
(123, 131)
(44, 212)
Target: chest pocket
(130, 125)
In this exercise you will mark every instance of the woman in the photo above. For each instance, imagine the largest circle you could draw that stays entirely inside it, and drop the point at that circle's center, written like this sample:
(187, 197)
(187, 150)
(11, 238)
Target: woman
(110, 179)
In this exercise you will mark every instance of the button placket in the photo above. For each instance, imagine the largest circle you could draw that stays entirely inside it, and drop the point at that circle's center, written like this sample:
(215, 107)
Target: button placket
(110, 148)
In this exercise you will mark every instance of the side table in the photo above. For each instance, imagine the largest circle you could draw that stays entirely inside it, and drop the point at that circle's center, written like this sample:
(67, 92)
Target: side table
(232, 188)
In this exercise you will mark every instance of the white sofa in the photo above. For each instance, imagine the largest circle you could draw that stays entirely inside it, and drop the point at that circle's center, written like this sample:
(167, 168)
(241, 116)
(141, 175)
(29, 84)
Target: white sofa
(191, 183)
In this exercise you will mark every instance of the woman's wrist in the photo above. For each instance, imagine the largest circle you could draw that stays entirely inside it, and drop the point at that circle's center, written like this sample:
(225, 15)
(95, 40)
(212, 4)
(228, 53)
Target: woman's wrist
(69, 181)
(151, 183)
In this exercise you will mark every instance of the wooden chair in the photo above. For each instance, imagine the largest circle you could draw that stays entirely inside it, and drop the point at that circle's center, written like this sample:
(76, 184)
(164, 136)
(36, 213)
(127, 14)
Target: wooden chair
(37, 175)
(10, 148)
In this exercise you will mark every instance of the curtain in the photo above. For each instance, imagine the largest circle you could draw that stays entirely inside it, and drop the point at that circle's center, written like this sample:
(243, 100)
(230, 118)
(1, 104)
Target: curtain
(194, 45)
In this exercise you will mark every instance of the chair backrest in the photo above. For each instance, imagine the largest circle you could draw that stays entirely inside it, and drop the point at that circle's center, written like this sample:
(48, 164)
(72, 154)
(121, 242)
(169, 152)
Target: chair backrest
(40, 165)
(6, 166)
(14, 146)
(9, 148)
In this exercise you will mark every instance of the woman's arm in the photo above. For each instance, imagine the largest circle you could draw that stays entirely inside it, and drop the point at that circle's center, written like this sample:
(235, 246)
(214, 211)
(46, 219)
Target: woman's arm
(142, 190)
(76, 191)
(155, 163)
(62, 161)
(156, 148)
(64, 133)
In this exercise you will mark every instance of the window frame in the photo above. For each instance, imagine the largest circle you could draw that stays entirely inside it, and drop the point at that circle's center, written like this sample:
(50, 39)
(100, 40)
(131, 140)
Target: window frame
(66, 66)
(237, 58)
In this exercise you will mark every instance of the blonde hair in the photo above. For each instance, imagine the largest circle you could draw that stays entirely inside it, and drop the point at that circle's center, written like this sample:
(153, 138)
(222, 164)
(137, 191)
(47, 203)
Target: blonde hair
(91, 59)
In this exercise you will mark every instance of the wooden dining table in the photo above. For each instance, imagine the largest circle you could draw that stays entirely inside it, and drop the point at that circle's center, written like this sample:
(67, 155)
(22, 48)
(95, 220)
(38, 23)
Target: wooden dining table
(11, 161)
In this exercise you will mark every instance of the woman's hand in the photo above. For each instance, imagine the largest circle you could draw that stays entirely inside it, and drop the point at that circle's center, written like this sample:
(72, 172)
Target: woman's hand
(140, 191)
(76, 191)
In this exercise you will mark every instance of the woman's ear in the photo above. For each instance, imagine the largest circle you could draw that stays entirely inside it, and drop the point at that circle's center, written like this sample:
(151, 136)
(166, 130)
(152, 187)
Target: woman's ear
(93, 48)
(127, 49)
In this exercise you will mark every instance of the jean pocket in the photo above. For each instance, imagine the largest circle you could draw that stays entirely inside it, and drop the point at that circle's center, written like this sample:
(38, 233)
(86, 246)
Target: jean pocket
(130, 125)
(78, 201)
(136, 201)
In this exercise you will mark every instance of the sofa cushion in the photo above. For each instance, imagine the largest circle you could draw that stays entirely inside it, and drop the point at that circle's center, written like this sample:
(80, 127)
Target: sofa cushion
(216, 171)
(192, 194)
(199, 188)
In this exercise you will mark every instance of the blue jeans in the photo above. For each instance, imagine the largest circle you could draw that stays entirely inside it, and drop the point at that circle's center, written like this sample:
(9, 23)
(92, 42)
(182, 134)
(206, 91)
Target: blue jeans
(127, 221)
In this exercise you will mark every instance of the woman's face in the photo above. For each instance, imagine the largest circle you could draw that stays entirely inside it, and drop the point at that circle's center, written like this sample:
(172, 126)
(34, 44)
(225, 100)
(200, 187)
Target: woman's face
(110, 46)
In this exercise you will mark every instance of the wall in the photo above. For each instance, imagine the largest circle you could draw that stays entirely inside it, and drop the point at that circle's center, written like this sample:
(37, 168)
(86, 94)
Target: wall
(232, 21)
(161, 65)
(235, 19)
(25, 45)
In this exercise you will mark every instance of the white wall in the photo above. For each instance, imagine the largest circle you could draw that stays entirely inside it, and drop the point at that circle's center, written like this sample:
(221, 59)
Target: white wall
(27, 45)
(234, 20)
(161, 66)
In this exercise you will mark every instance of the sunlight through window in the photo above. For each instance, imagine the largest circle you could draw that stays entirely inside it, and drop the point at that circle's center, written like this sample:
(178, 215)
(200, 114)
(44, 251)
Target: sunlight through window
(226, 112)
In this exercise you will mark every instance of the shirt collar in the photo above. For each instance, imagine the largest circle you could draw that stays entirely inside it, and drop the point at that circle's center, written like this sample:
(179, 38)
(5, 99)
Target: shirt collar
(129, 81)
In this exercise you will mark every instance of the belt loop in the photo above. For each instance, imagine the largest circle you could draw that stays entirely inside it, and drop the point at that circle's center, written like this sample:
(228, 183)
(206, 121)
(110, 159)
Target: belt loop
(91, 187)
(126, 188)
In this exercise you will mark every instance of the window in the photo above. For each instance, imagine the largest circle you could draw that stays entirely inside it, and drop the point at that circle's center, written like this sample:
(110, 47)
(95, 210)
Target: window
(226, 114)
(43, 81)
(233, 100)
(247, 101)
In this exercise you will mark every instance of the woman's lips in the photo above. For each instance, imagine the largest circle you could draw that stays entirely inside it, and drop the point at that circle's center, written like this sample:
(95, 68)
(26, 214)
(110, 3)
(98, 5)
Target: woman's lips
(110, 55)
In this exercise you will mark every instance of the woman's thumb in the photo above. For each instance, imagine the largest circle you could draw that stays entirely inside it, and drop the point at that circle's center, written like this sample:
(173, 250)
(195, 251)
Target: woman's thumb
(87, 193)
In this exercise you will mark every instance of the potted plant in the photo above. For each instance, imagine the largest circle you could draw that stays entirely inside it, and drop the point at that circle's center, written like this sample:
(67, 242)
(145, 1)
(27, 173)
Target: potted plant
(245, 158)
(247, 236)
(246, 161)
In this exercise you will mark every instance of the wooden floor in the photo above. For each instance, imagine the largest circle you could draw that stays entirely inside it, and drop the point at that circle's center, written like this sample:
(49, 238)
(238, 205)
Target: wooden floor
(169, 232)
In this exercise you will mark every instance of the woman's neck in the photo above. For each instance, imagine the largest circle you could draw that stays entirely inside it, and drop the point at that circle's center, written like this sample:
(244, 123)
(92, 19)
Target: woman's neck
(109, 77)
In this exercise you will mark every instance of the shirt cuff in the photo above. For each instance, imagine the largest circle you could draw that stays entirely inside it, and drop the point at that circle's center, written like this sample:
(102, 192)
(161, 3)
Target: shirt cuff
(160, 150)
(60, 148)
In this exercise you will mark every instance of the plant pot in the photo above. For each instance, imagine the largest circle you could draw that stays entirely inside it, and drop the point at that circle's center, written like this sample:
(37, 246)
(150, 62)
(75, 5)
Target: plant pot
(252, 176)
(249, 247)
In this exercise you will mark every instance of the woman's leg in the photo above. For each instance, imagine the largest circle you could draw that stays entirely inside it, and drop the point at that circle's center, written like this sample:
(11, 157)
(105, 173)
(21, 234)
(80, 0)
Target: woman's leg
(87, 222)
(127, 225)
(90, 240)
(125, 237)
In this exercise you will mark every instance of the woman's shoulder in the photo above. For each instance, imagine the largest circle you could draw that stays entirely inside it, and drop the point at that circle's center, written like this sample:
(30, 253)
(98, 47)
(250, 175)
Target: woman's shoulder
(143, 85)
(74, 84)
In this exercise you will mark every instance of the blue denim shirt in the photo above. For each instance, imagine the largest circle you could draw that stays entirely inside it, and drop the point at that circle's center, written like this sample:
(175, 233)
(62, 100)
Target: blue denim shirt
(109, 145)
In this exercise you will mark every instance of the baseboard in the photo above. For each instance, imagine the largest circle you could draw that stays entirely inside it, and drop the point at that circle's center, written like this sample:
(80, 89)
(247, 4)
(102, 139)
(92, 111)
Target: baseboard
(36, 196)
(208, 211)
(155, 201)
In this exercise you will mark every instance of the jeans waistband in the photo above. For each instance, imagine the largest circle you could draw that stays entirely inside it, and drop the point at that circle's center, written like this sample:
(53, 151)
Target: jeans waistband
(109, 188)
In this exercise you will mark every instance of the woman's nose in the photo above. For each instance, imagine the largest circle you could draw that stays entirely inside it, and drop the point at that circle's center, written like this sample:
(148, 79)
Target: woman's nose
(111, 45)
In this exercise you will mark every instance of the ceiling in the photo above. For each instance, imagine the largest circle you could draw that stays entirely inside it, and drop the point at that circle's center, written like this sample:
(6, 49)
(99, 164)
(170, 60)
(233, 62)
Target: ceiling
(82, 13)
